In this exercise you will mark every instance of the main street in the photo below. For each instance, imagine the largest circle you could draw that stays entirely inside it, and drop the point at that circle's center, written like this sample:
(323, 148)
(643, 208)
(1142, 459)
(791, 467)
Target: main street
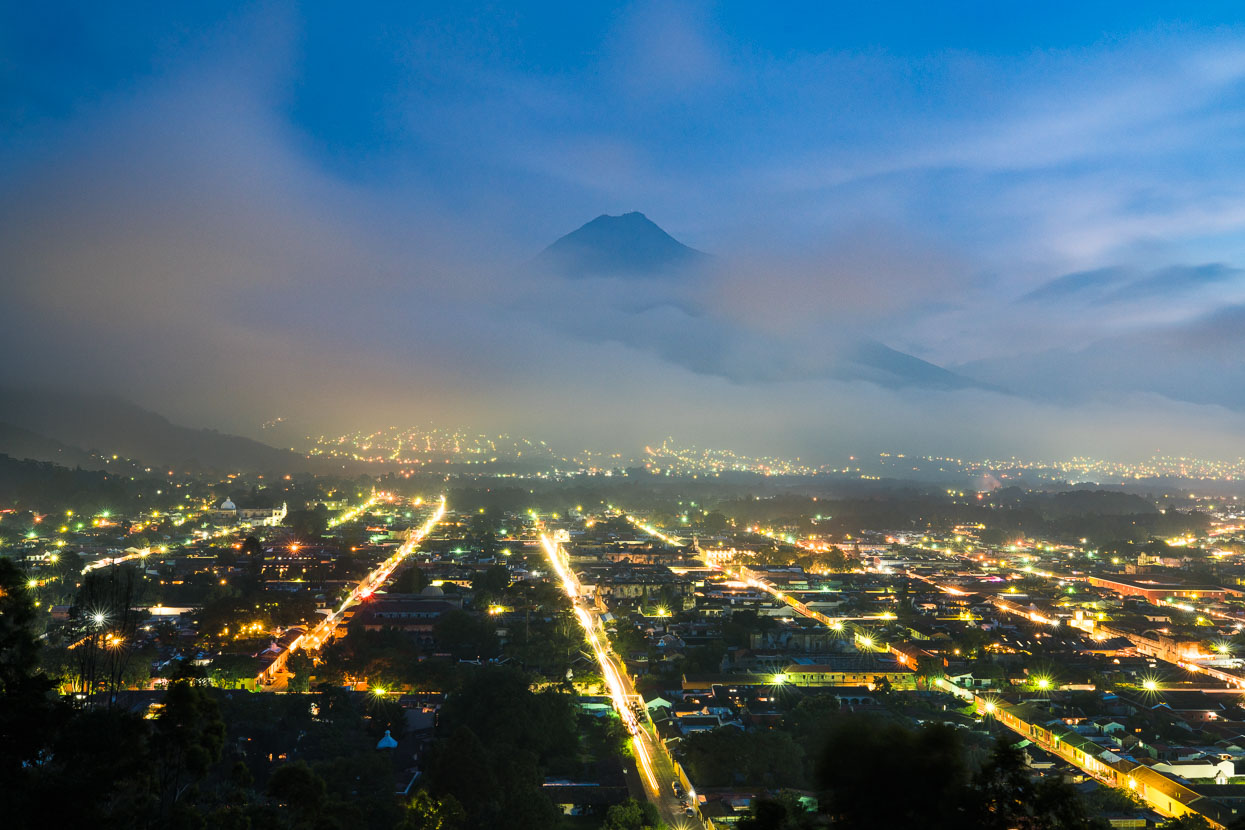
(755, 580)
(323, 631)
(657, 769)
(377, 577)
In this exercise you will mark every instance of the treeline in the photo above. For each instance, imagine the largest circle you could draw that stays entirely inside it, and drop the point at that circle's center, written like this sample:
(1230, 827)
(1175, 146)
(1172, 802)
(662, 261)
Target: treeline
(44, 486)
(872, 771)
(498, 742)
(1099, 515)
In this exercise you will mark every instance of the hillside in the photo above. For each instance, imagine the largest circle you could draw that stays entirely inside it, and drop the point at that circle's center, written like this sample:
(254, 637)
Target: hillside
(38, 420)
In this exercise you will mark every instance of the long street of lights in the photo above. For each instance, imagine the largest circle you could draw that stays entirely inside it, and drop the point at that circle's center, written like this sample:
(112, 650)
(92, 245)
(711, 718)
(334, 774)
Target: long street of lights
(863, 637)
(604, 657)
(315, 638)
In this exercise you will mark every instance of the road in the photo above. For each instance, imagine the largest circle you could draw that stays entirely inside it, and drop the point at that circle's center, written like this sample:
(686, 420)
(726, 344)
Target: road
(377, 577)
(657, 771)
(862, 636)
(323, 631)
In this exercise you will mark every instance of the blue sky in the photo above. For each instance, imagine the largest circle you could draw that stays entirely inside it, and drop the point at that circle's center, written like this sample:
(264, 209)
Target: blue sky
(1046, 198)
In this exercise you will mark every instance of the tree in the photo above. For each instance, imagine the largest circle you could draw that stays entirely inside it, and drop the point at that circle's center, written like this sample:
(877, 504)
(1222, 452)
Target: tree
(106, 617)
(251, 548)
(860, 752)
(714, 522)
(28, 711)
(782, 813)
(503, 740)
(492, 581)
(729, 755)
(427, 812)
(465, 634)
(1189, 821)
(309, 525)
(811, 718)
(298, 788)
(412, 580)
(187, 739)
(632, 815)
(928, 669)
(300, 667)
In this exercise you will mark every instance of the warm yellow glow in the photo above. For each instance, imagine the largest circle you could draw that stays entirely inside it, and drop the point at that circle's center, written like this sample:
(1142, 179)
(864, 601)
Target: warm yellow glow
(601, 650)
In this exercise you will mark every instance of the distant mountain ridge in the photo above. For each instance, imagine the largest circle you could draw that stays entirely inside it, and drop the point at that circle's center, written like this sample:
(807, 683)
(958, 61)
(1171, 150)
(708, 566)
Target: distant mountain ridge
(58, 426)
(19, 443)
(889, 367)
(633, 247)
(630, 245)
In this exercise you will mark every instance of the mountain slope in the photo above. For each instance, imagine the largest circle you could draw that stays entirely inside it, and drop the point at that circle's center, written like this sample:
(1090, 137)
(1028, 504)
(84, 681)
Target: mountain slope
(19, 443)
(109, 425)
(885, 366)
(628, 245)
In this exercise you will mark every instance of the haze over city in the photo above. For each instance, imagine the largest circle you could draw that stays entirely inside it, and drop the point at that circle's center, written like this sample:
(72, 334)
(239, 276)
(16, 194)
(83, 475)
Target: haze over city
(622, 416)
(229, 215)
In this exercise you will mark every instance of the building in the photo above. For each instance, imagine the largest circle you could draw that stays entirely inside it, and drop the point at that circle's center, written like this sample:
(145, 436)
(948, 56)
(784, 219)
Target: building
(227, 511)
(1155, 591)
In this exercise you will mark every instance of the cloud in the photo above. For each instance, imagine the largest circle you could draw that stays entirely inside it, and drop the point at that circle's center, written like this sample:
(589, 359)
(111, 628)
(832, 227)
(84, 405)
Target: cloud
(665, 50)
(193, 238)
(1175, 281)
(1076, 285)
(1115, 285)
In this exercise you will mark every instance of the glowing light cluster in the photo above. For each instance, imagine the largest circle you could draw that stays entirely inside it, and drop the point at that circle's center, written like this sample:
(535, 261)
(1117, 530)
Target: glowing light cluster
(368, 585)
(601, 650)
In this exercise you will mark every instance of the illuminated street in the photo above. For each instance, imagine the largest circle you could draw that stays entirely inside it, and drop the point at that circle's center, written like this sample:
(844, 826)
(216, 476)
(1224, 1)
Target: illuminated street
(318, 635)
(653, 761)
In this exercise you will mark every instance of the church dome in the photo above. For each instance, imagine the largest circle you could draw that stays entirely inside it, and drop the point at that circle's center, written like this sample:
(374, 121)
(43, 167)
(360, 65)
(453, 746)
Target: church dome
(228, 505)
(432, 591)
(386, 742)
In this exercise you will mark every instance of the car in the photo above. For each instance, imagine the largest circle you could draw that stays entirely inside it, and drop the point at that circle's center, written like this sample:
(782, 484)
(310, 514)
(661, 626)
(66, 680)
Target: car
(690, 812)
(677, 787)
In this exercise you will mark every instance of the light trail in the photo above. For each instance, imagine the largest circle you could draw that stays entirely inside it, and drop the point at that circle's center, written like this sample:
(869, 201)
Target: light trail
(751, 579)
(315, 638)
(603, 653)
